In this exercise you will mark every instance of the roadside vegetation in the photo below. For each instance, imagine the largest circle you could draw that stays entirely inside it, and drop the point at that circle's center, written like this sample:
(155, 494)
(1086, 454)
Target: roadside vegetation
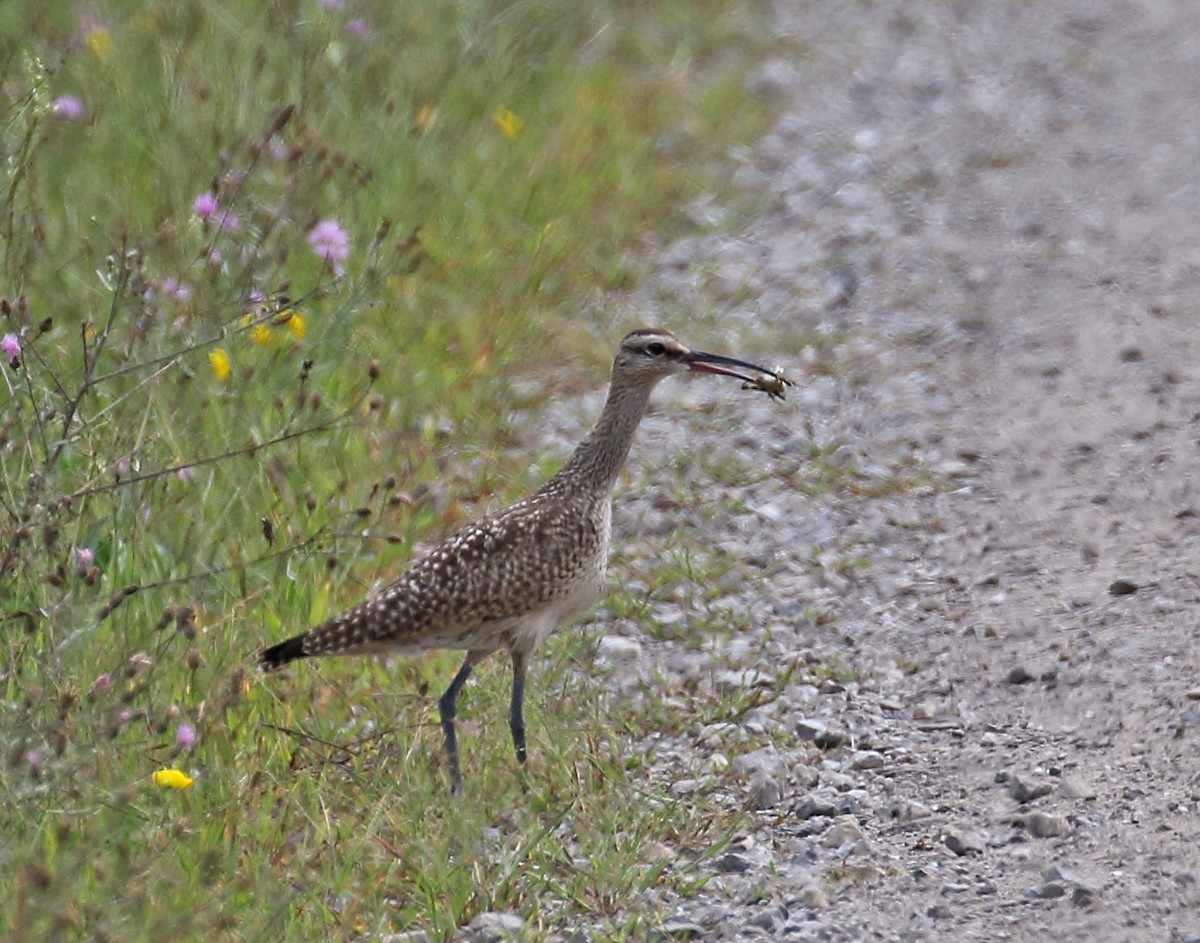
(267, 273)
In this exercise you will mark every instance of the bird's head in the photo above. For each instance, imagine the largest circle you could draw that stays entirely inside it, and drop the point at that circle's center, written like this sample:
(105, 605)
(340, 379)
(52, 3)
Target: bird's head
(647, 355)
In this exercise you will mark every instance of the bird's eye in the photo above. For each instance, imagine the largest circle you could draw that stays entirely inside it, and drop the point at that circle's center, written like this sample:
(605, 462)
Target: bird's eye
(656, 349)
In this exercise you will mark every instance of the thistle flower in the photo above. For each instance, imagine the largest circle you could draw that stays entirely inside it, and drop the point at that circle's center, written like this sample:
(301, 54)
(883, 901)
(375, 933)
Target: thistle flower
(100, 685)
(175, 290)
(330, 243)
(185, 736)
(67, 108)
(205, 205)
(10, 345)
(83, 558)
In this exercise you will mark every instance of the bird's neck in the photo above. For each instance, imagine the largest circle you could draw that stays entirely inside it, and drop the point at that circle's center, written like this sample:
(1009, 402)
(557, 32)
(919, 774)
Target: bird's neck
(597, 460)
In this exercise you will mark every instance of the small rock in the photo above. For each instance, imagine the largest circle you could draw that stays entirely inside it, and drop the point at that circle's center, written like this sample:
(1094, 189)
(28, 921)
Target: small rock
(1019, 674)
(1084, 896)
(677, 928)
(408, 936)
(764, 791)
(619, 650)
(814, 806)
(1045, 825)
(939, 912)
(1122, 587)
(494, 926)
(1050, 890)
(812, 897)
(820, 734)
(1025, 791)
(845, 830)
(770, 919)
(732, 863)
(866, 759)
(1072, 787)
(963, 842)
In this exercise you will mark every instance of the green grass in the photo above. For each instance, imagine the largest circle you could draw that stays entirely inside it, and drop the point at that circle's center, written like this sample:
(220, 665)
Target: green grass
(188, 472)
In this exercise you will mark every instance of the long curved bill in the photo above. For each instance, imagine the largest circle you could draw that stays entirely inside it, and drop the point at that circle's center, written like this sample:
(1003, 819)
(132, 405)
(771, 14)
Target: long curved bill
(770, 381)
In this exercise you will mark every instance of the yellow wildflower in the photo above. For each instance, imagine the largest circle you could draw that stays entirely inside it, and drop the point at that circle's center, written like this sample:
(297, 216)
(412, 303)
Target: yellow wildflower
(171, 779)
(295, 324)
(220, 363)
(509, 123)
(99, 40)
(260, 333)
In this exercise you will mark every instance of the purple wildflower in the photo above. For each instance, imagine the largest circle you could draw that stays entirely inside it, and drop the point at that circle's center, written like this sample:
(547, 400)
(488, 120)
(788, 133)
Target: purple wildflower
(185, 736)
(67, 108)
(360, 29)
(330, 243)
(83, 558)
(228, 222)
(175, 290)
(11, 347)
(101, 684)
(205, 205)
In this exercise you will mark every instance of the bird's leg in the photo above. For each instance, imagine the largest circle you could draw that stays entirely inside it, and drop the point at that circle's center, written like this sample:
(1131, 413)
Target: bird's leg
(516, 718)
(448, 708)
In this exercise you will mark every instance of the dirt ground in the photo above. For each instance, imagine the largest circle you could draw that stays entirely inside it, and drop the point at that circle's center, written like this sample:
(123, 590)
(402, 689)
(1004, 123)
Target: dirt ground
(997, 202)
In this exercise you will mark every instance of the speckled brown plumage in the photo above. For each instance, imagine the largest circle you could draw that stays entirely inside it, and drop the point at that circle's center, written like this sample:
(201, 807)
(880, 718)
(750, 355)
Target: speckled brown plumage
(510, 578)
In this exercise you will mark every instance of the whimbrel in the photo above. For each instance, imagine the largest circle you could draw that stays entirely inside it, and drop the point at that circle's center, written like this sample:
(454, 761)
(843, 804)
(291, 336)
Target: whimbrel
(509, 579)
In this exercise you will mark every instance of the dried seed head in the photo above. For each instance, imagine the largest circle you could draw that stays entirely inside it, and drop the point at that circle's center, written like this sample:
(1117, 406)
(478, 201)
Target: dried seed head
(239, 684)
(373, 370)
(192, 660)
(185, 621)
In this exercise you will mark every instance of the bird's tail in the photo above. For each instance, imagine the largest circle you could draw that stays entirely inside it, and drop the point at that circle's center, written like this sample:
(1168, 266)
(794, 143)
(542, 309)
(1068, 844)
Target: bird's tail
(270, 659)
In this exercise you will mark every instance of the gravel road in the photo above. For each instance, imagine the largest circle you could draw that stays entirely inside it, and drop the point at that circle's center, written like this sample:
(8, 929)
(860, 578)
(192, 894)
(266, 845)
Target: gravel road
(975, 527)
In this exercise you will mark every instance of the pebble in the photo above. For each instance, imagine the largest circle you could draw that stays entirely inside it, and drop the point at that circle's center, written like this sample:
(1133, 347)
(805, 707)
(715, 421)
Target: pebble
(866, 759)
(617, 649)
(845, 830)
(1122, 587)
(812, 897)
(1045, 825)
(963, 842)
(495, 926)
(820, 734)
(677, 928)
(1019, 674)
(814, 806)
(1024, 790)
(732, 863)
(764, 791)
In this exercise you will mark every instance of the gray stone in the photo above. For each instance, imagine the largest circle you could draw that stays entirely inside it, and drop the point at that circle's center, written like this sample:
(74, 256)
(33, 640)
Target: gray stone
(764, 791)
(963, 842)
(1045, 825)
(1024, 790)
(495, 927)
(866, 759)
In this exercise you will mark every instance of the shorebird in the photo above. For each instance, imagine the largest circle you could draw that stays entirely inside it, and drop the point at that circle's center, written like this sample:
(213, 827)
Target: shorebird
(510, 578)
